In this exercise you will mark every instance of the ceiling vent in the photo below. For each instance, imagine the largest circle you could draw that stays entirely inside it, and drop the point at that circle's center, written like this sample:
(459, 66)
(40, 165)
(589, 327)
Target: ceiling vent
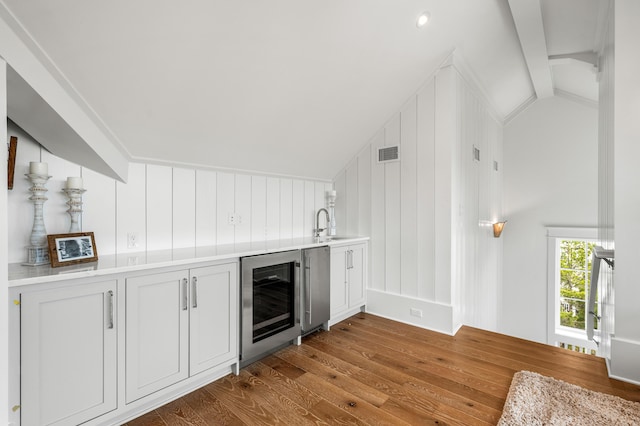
(388, 153)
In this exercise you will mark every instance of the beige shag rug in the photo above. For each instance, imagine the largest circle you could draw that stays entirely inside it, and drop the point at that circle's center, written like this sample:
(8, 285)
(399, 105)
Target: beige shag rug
(539, 400)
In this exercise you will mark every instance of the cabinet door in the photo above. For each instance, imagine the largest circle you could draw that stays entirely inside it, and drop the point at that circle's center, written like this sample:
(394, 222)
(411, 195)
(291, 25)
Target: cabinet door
(213, 316)
(157, 332)
(339, 285)
(357, 275)
(68, 354)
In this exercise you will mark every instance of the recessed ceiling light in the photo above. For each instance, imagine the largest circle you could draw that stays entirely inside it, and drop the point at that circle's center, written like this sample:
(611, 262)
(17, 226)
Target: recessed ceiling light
(422, 20)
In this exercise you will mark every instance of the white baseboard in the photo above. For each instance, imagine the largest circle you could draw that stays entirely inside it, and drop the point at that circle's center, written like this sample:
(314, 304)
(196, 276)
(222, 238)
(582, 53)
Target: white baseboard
(624, 363)
(142, 406)
(435, 316)
(344, 315)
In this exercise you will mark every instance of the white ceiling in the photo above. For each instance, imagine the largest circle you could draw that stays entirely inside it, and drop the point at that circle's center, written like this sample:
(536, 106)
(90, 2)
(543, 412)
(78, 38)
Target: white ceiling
(571, 28)
(559, 48)
(294, 87)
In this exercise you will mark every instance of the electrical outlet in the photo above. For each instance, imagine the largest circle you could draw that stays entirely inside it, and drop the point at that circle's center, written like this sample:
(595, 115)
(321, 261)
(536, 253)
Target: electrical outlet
(415, 312)
(132, 240)
(235, 219)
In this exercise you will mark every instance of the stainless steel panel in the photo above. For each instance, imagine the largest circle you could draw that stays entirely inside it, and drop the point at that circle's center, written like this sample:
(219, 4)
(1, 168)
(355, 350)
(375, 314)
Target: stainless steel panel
(315, 288)
(250, 351)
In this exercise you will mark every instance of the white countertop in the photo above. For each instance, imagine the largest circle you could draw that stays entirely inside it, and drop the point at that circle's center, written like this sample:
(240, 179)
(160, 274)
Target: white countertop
(25, 275)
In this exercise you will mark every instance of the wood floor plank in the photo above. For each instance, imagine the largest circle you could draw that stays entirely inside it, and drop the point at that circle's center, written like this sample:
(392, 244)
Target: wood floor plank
(210, 409)
(357, 407)
(334, 415)
(441, 352)
(417, 354)
(372, 371)
(178, 412)
(283, 367)
(335, 377)
(280, 383)
(517, 358)
(354, 345)
(288, 411)
(469, 341)
(414, 415)
(150, 419)
(428, 400)
(232, 394)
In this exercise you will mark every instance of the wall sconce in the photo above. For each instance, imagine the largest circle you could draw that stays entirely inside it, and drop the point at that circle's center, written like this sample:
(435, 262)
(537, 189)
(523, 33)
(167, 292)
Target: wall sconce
(497, 228)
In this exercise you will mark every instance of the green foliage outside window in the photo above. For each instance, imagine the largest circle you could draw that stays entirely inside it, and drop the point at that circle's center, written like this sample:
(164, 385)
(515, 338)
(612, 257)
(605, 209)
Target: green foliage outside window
(575, 267)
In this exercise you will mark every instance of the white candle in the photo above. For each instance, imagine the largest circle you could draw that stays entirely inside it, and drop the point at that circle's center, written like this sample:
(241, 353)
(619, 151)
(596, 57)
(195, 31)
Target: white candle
(36, 168)
(74, 182)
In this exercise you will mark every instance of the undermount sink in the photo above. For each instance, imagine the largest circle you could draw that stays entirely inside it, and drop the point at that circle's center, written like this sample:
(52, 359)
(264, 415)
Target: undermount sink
(326, 239)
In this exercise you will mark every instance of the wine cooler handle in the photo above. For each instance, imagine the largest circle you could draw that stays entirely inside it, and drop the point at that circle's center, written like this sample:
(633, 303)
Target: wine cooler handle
(307, 285)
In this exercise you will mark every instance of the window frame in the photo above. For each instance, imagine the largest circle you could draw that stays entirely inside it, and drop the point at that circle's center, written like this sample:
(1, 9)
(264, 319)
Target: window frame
(557, 333)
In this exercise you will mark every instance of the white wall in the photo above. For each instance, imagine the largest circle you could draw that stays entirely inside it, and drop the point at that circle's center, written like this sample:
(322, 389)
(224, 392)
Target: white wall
(427, 215)
(625, 343)
(550, 179)
(606, 168)
(4, 302)
(166, 207)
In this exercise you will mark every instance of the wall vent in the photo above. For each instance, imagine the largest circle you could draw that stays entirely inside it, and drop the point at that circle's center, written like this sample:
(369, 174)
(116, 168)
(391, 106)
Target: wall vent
(388, 153)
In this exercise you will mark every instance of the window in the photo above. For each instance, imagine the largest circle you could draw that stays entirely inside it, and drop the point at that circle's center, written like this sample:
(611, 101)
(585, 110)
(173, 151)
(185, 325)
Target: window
(574, 275)
(569, 269)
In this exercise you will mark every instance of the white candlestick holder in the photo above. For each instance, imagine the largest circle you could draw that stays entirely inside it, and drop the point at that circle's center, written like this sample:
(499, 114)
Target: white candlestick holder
(38, 251)
(331, 204)
(75, 206)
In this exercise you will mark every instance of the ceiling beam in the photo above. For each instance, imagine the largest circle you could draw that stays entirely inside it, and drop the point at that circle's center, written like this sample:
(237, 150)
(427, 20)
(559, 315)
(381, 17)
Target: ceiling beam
(527, 16)
(587, 61)
(588, 58)
(44, 104)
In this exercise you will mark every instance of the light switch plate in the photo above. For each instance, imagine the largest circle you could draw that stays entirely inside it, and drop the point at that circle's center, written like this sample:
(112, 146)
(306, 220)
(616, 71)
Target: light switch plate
(132, 240)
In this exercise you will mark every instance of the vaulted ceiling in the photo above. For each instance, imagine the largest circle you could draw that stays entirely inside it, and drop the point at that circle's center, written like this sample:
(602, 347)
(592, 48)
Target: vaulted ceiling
(294, 87)
(559, 40)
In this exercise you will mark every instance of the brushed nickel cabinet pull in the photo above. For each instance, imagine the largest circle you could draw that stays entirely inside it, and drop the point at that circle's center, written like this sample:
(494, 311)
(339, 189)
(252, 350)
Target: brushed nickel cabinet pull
(194, 292)
(110, 300)
(185, 289)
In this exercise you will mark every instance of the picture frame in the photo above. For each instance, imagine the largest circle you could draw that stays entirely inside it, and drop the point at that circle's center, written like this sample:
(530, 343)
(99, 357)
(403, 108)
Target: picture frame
(11, 161)
(71, 249)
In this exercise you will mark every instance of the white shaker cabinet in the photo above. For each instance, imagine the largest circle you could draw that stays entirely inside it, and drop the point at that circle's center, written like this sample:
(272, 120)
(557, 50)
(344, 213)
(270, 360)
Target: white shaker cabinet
(213, 317)
(157, 333)
(348, 280)
(178, 324)
(68, 354)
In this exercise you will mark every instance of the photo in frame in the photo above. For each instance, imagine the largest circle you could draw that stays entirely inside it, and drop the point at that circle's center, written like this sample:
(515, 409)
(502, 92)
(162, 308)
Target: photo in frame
(69, 249)
(11, 161)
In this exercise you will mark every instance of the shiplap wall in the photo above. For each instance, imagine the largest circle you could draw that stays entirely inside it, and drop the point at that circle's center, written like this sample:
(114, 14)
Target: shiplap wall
(429, 214)
(606, 179)
(166, 207)
(4, 249)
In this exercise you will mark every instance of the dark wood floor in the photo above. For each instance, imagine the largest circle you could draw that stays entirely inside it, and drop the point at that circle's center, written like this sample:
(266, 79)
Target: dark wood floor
(369, 370)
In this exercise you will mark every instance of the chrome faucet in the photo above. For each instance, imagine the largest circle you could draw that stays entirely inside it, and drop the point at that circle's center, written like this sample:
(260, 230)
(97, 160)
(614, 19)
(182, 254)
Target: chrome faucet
(318, 230)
